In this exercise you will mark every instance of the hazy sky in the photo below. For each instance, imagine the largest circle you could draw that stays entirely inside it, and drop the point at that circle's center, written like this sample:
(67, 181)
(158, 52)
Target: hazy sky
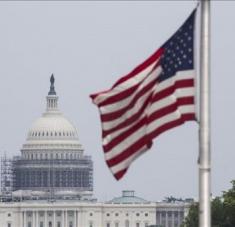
(88, 46)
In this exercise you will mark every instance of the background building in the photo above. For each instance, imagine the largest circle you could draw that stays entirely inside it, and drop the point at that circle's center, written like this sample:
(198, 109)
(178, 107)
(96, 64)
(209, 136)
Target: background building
(51, 184)
(124, 211)
(52, 162)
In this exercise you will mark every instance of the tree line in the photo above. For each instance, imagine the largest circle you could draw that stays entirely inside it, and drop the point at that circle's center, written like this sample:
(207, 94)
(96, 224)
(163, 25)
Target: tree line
(222, 211)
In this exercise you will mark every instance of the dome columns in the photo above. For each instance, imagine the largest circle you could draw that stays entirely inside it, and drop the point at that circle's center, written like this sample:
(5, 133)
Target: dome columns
(52, 101)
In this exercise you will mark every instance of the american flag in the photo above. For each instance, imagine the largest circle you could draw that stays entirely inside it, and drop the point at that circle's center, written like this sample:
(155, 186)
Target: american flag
(156, 96)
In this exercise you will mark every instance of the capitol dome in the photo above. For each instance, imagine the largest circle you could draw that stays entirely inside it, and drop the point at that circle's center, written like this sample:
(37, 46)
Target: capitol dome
(52, 126)
(52, 162)
(52, 129)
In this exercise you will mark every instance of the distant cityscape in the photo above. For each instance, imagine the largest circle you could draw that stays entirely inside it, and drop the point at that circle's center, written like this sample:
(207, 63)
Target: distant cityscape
(50, 184)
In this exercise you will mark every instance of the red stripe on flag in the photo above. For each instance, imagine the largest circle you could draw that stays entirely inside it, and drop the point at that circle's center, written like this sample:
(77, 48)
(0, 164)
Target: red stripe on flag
(147, 139)
(115, 141)
(130, 151)
(154, 57)
(160, 95)
(120, 96)
(171, 89)
(170, 108)
(129, 120)
(173, 124)
(147, 120)
(120, 174)
(120, 112)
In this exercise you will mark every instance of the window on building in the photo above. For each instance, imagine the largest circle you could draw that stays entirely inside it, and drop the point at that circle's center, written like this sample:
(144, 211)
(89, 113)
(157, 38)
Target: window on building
(8, 224)
(137, 224)
(91, 214)
(70, 213)
(108, 224)
(127, 223)
(116, 214)
(146, 214)
(29, 224)
(70, 224)
(41, 224)
(91, 224)
(137, 214)
(58, 224)
(107, 214)
(50, 224)
(116, 224)
(170, 222)
(182, 215)
(169, 213)
(9, 215)
(146, 224)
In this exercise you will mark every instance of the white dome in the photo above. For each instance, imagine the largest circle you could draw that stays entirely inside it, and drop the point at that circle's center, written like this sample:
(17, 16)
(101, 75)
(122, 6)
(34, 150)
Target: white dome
(52, 130)
(52, 126)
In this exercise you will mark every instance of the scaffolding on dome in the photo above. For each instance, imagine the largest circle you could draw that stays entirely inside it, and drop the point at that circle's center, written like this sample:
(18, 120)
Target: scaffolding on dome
(6, 175)
(52, 179)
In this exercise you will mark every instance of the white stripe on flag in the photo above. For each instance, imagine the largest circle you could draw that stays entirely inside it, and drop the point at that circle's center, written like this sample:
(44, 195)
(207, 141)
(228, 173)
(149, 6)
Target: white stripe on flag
(123, 103)
(125, 164)
(126, 84)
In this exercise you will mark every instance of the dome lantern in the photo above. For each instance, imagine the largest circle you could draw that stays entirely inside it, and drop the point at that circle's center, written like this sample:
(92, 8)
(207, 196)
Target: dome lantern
(52, 128)
(52, 99)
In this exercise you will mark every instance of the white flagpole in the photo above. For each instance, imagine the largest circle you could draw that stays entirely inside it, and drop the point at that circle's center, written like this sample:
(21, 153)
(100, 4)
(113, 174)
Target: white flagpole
(204, 133)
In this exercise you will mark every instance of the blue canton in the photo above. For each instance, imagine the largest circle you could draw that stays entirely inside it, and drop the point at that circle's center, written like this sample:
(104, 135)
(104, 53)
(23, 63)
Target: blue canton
(178, 50)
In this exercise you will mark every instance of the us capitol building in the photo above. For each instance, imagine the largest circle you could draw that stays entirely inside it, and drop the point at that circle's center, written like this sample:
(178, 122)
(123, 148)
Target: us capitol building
(51, 184)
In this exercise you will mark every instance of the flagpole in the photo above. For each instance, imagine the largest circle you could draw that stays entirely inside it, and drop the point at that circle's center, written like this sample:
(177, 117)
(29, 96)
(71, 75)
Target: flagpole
(204, 132)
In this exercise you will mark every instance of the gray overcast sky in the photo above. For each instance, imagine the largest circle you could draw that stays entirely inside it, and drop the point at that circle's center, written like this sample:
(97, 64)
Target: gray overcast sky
(88, 46)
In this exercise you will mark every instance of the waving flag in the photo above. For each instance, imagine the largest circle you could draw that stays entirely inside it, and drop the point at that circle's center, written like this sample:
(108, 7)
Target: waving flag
(156, 96)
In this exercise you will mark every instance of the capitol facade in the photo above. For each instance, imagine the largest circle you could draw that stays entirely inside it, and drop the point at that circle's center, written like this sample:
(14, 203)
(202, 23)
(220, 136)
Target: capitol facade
(52, 159)
(51, 184)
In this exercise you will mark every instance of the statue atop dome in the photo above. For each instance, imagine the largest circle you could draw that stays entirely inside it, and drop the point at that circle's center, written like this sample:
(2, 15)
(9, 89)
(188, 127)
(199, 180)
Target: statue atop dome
(52, 88)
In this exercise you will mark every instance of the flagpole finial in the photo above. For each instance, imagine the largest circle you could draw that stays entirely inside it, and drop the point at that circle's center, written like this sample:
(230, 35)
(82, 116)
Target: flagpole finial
(198, 3)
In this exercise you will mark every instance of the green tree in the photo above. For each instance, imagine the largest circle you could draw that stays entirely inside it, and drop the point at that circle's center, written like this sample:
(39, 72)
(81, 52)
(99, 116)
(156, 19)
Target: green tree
(192, 219)
(222, 211)
(229, 206)
(217, 212)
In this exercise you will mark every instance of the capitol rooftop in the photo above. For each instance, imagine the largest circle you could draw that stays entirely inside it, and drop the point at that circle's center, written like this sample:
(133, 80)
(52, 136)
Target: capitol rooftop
(52, 162)
(128, 197)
